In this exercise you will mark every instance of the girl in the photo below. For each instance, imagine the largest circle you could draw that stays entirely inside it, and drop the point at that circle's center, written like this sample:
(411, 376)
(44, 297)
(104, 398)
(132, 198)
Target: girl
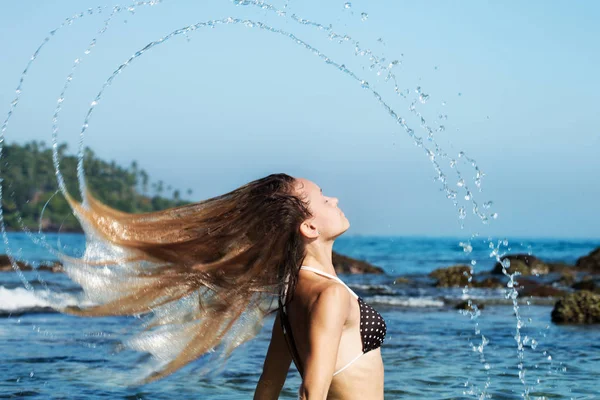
(207, 274)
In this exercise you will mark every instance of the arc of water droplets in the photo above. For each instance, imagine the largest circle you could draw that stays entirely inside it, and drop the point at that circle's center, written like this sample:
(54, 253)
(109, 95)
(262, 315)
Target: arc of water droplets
(364, 84)
(19, 90)
(251, 24)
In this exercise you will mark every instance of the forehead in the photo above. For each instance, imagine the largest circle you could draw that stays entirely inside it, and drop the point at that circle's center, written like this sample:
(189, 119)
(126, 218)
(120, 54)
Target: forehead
(309, 187)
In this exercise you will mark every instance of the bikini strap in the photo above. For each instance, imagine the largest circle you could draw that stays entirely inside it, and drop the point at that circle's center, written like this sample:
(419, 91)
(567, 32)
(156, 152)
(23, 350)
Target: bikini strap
(319, 272)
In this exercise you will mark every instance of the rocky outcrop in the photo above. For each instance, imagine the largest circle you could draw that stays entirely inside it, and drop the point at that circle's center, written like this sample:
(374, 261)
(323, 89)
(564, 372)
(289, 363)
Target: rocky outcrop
(490, 283)
(6, 266)
(590, 263)
(523, 263)
(588, 283)
(577, 308)
(457, 275)
(347, 265)
(531, 288)
(567, 278)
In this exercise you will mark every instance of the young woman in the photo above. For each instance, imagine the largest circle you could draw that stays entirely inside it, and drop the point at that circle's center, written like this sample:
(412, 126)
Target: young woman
(232, 255)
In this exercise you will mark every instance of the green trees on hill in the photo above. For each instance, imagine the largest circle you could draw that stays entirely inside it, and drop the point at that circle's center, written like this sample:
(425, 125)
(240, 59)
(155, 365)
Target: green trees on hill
(29, 184)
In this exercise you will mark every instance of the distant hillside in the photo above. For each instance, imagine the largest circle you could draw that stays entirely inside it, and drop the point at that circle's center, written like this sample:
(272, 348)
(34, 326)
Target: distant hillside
(29, 181)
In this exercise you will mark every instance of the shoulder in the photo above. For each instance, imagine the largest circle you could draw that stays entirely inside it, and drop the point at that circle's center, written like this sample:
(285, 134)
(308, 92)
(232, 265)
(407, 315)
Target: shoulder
(333, 299)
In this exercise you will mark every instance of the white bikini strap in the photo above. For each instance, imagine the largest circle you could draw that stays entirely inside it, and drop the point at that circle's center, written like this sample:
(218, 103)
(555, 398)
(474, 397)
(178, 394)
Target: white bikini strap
(319, 272)
(347, 365)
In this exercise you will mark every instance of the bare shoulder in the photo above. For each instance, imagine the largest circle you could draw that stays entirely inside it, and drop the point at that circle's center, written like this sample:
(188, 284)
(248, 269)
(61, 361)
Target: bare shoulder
(333, 298)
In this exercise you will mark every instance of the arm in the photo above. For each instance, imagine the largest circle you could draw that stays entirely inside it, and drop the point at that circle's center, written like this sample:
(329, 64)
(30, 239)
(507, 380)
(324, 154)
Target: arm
(276, 366)
(327, 318)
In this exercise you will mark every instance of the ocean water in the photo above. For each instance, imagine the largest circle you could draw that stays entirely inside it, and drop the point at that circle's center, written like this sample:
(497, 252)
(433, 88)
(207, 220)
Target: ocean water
(431, 351)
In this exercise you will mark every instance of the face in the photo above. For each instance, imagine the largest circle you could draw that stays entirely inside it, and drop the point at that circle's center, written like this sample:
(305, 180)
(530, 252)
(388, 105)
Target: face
(327, 217)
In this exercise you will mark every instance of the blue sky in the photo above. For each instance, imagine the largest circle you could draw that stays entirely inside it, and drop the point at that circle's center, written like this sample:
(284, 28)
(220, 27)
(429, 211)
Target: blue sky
(517, 80)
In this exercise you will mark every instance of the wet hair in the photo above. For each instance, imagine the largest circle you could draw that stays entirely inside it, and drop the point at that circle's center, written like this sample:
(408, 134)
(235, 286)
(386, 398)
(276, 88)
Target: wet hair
(203, 274)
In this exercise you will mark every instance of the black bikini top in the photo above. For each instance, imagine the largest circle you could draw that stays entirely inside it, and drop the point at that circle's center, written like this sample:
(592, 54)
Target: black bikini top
(372, 325)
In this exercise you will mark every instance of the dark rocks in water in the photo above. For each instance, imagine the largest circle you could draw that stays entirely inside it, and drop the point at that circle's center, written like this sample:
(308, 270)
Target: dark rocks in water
(577, 308)
(590, 263)
(530, 288)
(55, 266)
(567, 278)
(401, 280)
(587, 283)
(347, 265)
(490, 283)
(6, 266)
(560, 267)
(523, 263)
(456, 275)
(464, 305)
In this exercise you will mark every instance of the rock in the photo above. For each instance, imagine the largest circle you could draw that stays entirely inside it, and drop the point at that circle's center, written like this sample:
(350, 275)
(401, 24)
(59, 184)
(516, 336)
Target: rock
(559, 267)
(401, 280)
(464, 305)
(590, 263)
(5, 265)
(523, 263)
(587, 283)
(456, 275)
(346, 265)
(577, 308)
(490, 283)
(56, 266)
(530, 288)
(567, 278)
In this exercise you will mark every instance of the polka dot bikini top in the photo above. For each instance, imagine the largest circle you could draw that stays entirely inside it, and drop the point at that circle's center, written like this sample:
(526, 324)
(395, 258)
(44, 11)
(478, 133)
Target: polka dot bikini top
(372, 325)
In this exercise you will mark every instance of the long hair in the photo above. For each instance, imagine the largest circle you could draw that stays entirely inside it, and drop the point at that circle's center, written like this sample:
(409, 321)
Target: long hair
(204, 274)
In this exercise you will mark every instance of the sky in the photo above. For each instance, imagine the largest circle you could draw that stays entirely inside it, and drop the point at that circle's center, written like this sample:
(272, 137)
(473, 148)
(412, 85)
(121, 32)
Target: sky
(514, 84)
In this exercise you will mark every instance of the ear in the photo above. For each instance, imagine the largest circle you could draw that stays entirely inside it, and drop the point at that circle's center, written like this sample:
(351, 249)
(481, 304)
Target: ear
(309, 230)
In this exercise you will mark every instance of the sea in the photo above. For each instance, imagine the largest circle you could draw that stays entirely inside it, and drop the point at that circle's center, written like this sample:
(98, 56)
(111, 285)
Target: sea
(431, 351)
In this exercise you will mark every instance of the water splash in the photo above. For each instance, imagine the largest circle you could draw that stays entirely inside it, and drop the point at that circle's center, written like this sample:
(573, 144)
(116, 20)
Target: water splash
(378, 64)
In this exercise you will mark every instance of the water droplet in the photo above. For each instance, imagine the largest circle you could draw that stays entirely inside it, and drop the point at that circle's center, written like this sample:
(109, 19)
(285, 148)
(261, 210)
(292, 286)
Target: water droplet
(443, 103)
(347, 5)
(423, 98)
(473, 262)
(487, 204)
(364, 84)
(461, 182)
(494, 215)
(364, 16)
(459, 93)
(462, 214)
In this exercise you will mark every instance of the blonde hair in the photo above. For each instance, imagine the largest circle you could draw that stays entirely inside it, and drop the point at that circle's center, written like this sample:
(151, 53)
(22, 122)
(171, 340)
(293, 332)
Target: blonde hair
(204, 274)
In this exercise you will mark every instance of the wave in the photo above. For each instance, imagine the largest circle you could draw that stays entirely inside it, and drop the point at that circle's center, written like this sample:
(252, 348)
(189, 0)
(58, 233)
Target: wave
(375, 289)
(415, 302)
(23, 301)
